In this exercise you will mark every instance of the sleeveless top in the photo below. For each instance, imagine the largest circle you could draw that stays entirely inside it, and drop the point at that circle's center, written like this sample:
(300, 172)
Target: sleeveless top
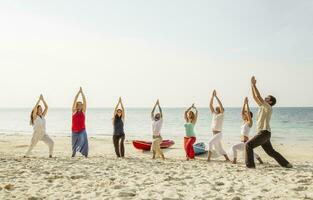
(217, 122)
(118, 125)
(78, 122)
(245, 129)
(39, 125)
(189, 128)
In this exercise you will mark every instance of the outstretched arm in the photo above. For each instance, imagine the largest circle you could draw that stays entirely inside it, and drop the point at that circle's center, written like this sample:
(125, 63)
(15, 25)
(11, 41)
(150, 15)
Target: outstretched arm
(248, 112)
(220, 104)
(161, 113)
(153, 110)
(186, 113)
(75, 101)
(196, 115)
(84, 100)
(34, 112)
(243, 107)
(123, 109)
(255, 92)
(116, 107)
(212, 101)
(46, 106)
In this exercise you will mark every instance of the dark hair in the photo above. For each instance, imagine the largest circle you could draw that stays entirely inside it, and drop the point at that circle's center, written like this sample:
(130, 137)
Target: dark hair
(31, 116)
(273, 100)
(251, 114)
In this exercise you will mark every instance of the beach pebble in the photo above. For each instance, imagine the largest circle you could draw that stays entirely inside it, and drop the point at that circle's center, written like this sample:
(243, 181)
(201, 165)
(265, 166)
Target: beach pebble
(33, 198)
(236, 198)
(9, 187)
(219, 183)
(127, 193)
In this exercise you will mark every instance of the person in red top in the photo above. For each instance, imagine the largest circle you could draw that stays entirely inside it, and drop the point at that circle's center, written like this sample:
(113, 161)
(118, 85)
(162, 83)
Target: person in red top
(79, 134)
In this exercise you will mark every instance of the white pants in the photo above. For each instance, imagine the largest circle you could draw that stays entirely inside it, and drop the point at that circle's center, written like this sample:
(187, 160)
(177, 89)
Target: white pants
(43, 137)
(216, 141)
(241, 147)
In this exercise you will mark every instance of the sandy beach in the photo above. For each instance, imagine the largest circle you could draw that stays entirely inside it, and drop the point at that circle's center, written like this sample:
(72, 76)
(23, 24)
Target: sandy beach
(102, 176)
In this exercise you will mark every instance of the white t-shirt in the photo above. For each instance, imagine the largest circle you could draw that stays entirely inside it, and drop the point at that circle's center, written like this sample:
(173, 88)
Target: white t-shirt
(40, 125)
(156, 127)
(217, 122)
(245, 129)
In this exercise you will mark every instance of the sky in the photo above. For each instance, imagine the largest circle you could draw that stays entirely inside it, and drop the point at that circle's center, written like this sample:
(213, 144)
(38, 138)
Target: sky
(177, 51)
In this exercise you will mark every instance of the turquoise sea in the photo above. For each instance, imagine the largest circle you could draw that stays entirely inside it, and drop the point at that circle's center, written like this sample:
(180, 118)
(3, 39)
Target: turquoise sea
(289, 125)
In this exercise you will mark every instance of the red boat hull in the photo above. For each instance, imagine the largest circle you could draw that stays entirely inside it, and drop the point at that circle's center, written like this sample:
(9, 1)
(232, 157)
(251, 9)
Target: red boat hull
(146, 146)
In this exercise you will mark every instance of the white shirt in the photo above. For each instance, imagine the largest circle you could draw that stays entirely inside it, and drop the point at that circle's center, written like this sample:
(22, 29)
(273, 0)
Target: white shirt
(217, 122)
(39, 125)
(245, 129)
(156, 127)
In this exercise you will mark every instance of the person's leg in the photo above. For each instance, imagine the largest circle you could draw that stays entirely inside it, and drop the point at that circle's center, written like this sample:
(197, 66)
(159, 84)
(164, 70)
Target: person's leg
(214, 139)
(84, 147)
(268, 148)
(153, 147)
(221, 150)
(75, 139)
(159, 150)
(33, 143)
(256, 141)
(185, 146)
(191, 152)
(48, 141)
(116, 146)
(122, 148)
(235, 148)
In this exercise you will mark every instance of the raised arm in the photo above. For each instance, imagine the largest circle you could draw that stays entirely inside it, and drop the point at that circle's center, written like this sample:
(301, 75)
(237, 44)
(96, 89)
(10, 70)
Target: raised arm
(243, 107)
(116, 107)
(186, 113)
(248, 112)
(75, 101)
(161, 113)
(34, 112)
(153, 110)
(220, 103)
(196, 114)
(255, 92)
(123, 109)
(45, 104)
(84, 100)
(212, 101)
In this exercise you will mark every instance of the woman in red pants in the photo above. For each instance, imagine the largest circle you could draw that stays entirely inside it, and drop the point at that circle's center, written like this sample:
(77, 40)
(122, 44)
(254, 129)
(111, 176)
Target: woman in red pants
(190, 138)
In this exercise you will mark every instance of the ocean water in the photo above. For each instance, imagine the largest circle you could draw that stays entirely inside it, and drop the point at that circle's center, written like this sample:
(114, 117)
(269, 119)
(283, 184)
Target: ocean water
(289, 125)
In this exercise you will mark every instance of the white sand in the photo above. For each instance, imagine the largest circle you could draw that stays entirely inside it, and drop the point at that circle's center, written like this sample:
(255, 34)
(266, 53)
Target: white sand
(102, 176)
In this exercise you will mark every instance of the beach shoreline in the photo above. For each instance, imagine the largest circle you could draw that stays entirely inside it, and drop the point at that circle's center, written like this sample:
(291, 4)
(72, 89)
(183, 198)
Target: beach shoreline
(103, 176)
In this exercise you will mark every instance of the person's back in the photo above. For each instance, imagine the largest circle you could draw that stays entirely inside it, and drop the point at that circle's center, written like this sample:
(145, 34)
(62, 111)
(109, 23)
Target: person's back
(264, 117)
(118, 126)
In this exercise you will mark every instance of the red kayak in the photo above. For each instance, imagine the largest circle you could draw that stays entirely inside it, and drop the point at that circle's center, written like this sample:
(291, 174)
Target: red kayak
(146, 146)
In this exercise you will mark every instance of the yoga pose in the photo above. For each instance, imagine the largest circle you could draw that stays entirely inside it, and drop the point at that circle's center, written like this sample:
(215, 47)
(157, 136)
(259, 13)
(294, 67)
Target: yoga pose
(247, 116)
(157, 122)
(263, 137)
(217, 126)
(79, 134)
(190, 138)
(37, 120)
(118, 125)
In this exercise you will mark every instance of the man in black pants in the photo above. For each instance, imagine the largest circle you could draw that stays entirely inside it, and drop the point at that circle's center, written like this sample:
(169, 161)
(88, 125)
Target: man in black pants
(263, 137)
